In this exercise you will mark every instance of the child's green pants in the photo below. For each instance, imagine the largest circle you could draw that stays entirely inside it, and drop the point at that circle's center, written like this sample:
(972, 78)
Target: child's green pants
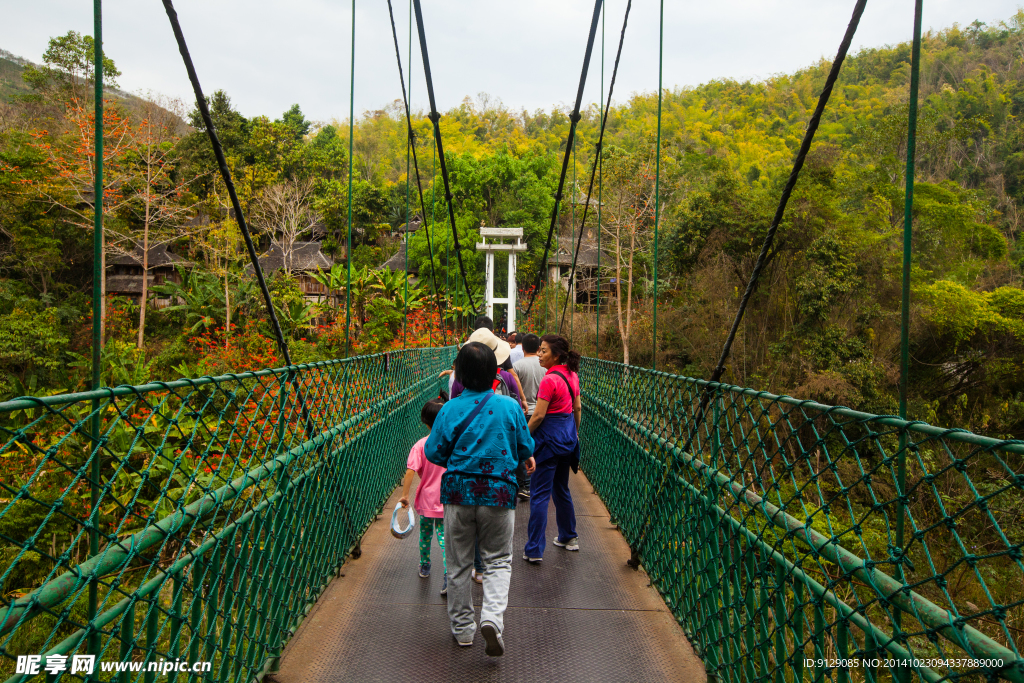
(427, 527)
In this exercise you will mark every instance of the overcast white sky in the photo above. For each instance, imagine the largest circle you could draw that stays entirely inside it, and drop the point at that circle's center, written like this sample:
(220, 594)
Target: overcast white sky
(268, 54)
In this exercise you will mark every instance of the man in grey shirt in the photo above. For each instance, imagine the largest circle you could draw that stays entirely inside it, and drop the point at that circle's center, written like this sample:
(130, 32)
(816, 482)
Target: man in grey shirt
(530, 374)
(530, 371)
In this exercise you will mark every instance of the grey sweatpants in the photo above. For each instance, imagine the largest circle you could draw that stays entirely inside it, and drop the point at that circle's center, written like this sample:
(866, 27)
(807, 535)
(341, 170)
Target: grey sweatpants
(463, 524)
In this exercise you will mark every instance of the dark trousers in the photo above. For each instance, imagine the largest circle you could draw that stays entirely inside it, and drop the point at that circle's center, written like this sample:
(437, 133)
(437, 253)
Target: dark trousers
(522, 478)
(550, 480)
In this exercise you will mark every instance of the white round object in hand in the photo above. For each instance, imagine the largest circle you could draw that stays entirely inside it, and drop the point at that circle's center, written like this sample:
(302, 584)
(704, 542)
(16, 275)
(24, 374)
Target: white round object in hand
(397, 531)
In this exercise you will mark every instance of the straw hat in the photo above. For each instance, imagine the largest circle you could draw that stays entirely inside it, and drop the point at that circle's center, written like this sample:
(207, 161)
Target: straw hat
(494, 343)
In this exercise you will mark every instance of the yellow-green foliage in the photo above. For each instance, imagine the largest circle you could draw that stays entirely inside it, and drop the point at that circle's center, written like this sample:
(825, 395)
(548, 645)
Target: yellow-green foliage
(965, 314)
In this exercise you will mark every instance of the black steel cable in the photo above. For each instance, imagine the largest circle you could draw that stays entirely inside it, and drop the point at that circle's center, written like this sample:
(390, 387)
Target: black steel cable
(415, 163)
(435, 118)
(762, 258)
(798, 163)
(574, 119)
(597, 158)
(222, 163)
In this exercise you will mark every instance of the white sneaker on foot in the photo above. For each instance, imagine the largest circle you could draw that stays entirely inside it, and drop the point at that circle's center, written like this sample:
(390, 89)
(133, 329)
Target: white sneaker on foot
(571, 544)
(491, 634)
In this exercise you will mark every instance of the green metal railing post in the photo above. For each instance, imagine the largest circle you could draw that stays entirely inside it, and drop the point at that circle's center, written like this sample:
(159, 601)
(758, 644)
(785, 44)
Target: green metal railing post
(196, 608)
(753, 614)
(657, 183)
(870, 651)
(97, 319)
(230, 594)
(745, 592)
(408, 189)
(908, 221)
(213, 607)
(351, 134)
(177, 590)
(819, 640)
(798, 631)
(765, 616)
(127, 640)
(843, 649)
(723, 548)
(249, 558)
(260, 598)
(152, 638)
(781, 659)
(600, 187)
(572, 282)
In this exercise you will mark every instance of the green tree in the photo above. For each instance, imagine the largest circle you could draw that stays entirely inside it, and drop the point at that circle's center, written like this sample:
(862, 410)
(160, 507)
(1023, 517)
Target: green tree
(69, 64)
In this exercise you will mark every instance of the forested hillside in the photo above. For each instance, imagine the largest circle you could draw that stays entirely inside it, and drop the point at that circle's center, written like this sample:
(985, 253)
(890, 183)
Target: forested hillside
(824, 323)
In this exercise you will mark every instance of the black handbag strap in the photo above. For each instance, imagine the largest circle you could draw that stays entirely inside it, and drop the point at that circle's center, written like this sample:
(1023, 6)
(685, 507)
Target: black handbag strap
(464, 425)
(572, 396)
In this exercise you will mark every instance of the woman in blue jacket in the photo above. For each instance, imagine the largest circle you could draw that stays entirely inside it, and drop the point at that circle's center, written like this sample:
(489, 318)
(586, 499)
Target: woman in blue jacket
(480, 438)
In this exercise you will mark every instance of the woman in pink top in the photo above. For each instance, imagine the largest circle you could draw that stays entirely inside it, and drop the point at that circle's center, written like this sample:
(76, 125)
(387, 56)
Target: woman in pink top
(555, 429)
(428, 494)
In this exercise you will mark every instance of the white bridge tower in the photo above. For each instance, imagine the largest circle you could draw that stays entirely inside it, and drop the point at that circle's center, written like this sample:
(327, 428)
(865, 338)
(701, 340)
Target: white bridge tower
(490, 249)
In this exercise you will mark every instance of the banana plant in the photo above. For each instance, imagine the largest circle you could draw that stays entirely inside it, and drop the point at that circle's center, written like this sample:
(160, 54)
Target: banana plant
(392, 286)
(200, 296)
(334, 280)
(297, 314)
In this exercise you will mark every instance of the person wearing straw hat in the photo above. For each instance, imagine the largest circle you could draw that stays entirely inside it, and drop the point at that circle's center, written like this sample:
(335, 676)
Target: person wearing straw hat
(506, 383)
(483, 333)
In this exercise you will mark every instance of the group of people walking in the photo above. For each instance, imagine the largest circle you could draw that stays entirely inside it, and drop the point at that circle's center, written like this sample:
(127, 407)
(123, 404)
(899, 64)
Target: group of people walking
(508, 432)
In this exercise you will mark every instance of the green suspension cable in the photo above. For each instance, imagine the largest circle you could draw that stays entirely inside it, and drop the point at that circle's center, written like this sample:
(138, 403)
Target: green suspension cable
(908, 222)
(600, 187)
(572, 279)
(657, 184)
(351, 133)
(447, 244)
(408, 174)
(97, 313)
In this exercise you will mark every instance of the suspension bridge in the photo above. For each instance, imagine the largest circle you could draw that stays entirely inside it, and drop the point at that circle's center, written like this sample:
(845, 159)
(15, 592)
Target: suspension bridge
(728, 533)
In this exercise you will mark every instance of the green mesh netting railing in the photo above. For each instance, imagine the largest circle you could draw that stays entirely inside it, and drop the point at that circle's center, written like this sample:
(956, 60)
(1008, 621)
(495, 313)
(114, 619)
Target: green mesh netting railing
(775, 539)
(221, 509)
(199, 520)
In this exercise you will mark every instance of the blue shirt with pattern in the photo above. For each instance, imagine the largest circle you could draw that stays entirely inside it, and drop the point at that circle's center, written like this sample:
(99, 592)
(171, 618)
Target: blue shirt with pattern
(482, 468)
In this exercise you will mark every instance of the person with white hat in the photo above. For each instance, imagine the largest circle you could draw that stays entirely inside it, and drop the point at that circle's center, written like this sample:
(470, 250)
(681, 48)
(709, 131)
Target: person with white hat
(502, 352)
(483, 333)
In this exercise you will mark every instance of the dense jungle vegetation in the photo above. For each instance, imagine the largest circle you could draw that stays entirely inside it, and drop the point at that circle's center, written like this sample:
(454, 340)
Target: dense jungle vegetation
(824, 323)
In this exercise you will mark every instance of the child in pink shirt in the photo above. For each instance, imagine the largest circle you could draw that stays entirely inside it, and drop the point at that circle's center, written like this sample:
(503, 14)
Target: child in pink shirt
(428, 494)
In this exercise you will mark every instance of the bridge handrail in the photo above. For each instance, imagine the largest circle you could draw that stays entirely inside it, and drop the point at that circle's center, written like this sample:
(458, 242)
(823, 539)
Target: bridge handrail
(251, 550)
(702, 524)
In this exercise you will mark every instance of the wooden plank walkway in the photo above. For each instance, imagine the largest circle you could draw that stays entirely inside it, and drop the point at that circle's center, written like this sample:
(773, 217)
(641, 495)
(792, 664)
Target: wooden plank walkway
(578, 616)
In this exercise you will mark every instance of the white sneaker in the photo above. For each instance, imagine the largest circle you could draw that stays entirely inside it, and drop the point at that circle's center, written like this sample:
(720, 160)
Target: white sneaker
(478, 577)
(495, 645)
(571, 544)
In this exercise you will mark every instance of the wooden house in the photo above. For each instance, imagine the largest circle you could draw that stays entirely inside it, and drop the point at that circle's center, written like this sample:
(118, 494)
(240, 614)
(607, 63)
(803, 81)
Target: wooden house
(304, 261)
(560, 267)
(124, 273)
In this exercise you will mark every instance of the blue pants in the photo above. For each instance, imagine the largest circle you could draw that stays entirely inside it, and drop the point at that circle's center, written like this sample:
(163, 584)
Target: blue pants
(550, 479)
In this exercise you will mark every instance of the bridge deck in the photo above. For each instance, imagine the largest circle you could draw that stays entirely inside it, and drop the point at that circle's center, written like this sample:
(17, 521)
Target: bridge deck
(577, 617)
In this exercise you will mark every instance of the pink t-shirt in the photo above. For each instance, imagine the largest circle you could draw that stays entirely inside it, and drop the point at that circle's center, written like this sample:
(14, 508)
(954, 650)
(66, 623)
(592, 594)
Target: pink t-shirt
(552, 389)
(428, 493)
